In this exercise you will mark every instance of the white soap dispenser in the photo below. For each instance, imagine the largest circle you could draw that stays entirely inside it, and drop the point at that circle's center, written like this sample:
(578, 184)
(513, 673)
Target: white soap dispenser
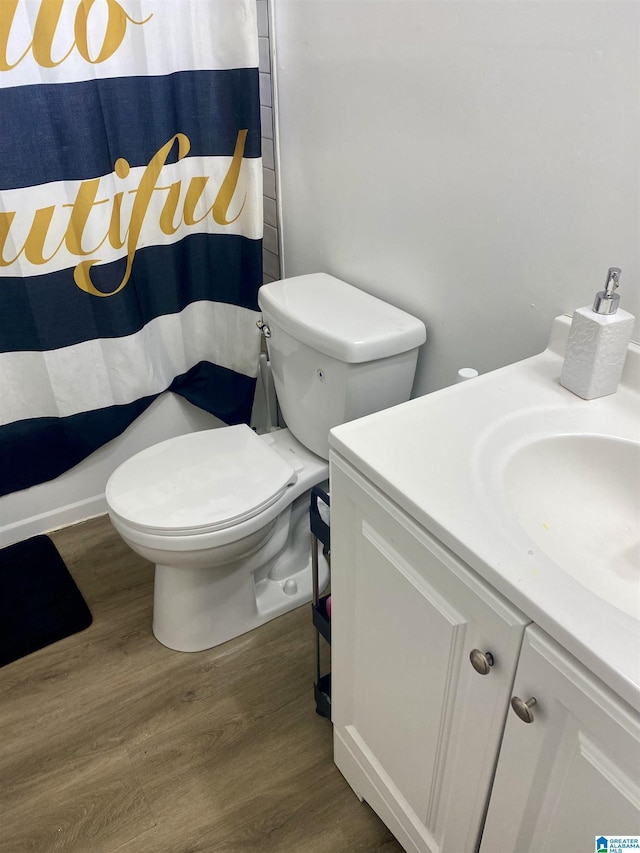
(598, 343)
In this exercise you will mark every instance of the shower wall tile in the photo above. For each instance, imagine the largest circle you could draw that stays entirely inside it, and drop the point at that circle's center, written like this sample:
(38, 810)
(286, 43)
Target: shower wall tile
(266, 120)
(270, 239)
(265, 89)
(270, 212)
(268, 157)
(270, 242)
(263, 18)
(270, 264)
(269, 183)
(264, 63)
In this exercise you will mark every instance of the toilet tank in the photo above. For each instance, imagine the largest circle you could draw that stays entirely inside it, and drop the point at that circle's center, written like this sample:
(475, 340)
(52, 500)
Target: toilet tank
(336, 352)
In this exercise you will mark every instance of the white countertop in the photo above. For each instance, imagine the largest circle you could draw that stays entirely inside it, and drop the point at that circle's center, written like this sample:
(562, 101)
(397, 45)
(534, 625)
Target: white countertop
(434, 456)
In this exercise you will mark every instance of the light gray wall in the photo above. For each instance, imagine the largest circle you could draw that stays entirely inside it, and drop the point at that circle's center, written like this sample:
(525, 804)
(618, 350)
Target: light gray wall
(476, 163)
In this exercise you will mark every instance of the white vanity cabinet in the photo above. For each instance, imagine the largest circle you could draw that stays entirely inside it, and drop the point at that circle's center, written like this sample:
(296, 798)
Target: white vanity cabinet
(420, 734)
(416, 728)
(573, 774)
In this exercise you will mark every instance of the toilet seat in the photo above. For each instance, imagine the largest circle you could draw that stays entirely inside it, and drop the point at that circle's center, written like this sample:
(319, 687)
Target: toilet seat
(199, 483)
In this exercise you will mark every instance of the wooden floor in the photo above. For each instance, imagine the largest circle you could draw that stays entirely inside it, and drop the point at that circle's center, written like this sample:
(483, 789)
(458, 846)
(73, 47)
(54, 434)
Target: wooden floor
(109, 741)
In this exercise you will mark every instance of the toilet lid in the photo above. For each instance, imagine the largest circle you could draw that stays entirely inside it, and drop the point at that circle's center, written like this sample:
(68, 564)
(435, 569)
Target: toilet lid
(199, 482)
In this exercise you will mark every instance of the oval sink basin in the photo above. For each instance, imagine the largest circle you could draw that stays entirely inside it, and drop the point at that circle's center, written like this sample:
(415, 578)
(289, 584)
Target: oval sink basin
(578, 498)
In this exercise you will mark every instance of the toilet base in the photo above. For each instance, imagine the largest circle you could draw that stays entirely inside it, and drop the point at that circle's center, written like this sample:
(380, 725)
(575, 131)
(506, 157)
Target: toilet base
(197, 608)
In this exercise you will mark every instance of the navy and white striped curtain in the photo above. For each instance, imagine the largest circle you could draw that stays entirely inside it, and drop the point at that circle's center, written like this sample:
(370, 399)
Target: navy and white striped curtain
(130, 219)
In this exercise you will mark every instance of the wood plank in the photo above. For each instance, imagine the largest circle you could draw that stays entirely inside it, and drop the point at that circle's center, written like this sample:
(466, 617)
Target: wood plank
(111, 742)
(93, 805)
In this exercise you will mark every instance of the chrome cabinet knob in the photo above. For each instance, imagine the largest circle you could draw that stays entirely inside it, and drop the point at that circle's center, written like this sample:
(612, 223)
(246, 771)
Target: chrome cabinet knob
(523, 709)
(481, 661)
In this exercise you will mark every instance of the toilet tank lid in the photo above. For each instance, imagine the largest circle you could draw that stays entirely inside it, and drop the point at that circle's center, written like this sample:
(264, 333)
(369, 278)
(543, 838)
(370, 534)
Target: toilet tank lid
(338, 319)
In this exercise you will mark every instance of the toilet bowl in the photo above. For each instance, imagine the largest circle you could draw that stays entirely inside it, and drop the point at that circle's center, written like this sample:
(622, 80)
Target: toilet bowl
(223, 513)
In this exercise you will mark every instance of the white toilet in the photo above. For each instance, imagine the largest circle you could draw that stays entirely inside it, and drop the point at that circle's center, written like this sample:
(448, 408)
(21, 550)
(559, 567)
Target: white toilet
(223, 513)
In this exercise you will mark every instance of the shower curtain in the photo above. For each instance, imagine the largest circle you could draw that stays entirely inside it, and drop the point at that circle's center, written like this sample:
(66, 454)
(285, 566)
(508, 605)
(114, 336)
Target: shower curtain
(130, 219)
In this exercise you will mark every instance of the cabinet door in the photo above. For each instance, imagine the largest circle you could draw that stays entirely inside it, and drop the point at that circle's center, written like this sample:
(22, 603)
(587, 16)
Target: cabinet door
(416, 728)
(573, 774)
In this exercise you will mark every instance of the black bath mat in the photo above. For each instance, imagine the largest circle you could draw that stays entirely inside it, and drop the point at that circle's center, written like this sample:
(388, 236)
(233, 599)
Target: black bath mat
(39, 600)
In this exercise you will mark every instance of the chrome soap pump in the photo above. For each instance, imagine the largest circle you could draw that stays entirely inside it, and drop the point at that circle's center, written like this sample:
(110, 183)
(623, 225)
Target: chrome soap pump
(607, 300)
(598, 342)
